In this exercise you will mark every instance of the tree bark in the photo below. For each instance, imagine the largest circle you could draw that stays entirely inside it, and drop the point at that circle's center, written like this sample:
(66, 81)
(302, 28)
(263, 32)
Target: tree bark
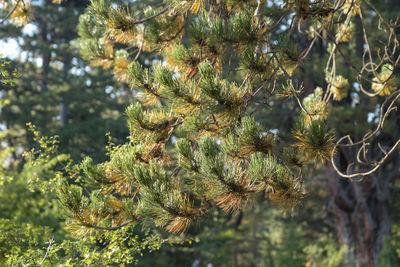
(64, 104)
(361, 213)
(46, 57)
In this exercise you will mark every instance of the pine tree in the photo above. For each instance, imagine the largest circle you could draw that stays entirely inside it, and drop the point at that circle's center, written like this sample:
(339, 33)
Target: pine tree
(222, 155)
(198, 135)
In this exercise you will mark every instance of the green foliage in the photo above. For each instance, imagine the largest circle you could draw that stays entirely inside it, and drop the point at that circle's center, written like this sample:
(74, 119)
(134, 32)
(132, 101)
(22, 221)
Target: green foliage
(224, 156)
(44, 164)
(107, 248)
(209, 131)
(5, 76)
(390, 253)
(325, 253)
(315, 139)
(25, 244)
(387, 256)
(69, 101)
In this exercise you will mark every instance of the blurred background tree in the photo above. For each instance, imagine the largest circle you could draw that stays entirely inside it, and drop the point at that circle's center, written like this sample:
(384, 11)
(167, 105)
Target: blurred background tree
(62, 96)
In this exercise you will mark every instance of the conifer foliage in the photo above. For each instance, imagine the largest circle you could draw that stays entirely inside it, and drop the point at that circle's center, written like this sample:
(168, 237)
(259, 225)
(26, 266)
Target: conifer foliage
(195, 143)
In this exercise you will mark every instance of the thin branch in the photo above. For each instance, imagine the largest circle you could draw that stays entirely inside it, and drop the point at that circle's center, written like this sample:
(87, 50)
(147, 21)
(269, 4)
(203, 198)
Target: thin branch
(294, 91)
(382, 118)
(378, 164)
(10, 13)
(140, 21)
(304, 54)
(47, 252)
(109, 228)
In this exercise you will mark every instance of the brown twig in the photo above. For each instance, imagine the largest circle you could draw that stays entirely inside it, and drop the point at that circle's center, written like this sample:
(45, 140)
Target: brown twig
(109, 228)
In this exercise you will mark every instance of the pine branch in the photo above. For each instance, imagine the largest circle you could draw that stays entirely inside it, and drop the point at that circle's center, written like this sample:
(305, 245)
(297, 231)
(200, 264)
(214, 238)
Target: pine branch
(140, 21)
(111, 228)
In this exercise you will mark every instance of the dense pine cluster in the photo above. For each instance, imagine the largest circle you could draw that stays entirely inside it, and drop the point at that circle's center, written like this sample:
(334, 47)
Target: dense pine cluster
(194, 141)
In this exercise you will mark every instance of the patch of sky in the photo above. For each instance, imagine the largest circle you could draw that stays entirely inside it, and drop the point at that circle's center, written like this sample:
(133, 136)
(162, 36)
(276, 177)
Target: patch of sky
(77, 71)
(355, 99)
(29, 29)
(374, 116)
(38, 61)
(356, 86)
(274, 131)
(109, 89)
(284, 27)
(10, 48)
(75, 61)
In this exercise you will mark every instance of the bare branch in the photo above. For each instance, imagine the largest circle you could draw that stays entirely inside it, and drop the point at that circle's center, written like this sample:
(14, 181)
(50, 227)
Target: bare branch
(366, 173)
(47, 252)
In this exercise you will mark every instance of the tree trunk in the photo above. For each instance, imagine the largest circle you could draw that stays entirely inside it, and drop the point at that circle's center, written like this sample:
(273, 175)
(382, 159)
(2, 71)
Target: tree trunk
(361, 213)
(44, 38)
(46, 57)
(64, 104)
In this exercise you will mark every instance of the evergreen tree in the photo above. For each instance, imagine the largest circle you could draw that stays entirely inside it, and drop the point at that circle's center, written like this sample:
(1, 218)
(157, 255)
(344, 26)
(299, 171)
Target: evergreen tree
(201, 134)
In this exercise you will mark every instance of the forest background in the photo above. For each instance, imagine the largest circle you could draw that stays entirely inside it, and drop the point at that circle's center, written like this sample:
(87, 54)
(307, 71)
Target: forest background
(61, 104)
